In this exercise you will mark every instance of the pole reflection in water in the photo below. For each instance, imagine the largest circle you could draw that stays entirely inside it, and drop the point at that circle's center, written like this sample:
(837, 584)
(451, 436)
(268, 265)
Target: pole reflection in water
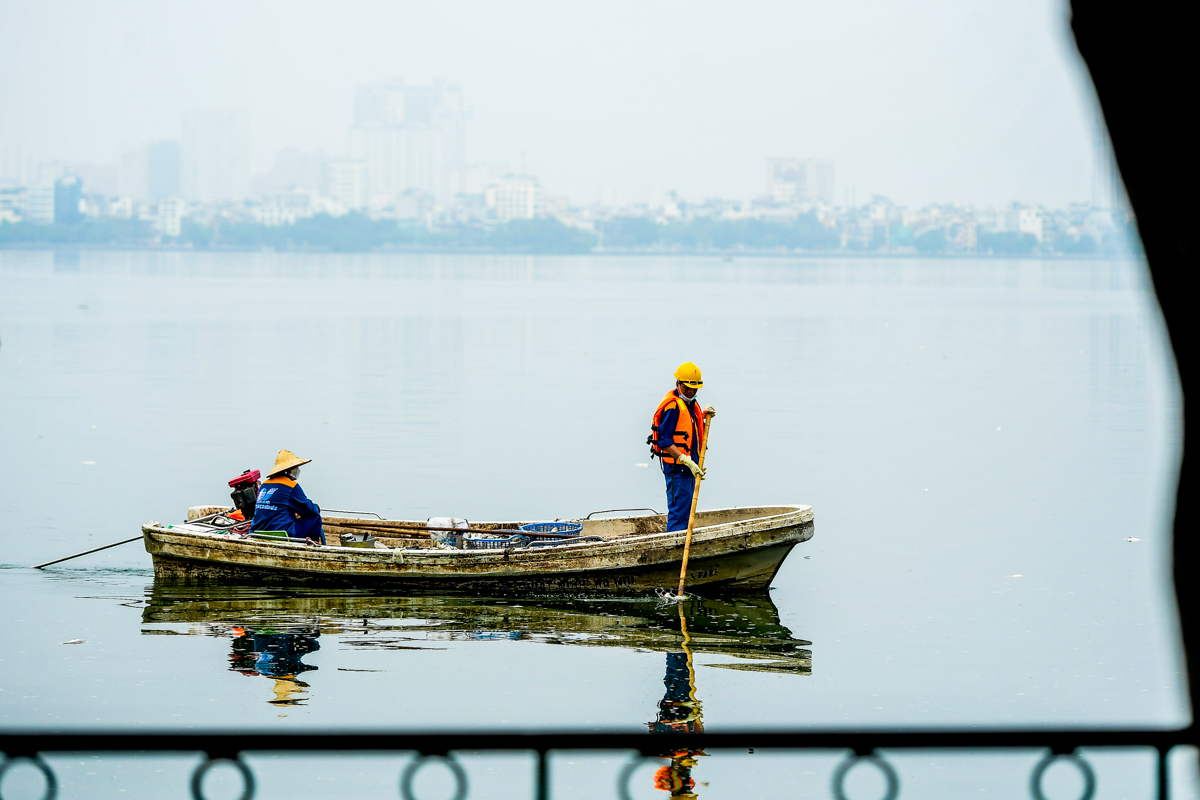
(272, 629)
(679, 711)
(275, 653)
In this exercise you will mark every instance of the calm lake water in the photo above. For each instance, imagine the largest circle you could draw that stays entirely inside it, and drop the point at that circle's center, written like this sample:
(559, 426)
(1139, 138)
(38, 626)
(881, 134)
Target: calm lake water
(979, 440)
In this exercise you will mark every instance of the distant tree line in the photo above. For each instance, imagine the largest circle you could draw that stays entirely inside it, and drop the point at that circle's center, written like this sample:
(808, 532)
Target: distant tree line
(100, 232)
(350, 233)
(706, 233)
(356, 232)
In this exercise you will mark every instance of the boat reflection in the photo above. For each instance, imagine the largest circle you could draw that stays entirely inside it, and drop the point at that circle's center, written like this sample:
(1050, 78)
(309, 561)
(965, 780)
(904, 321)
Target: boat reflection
(273, 628)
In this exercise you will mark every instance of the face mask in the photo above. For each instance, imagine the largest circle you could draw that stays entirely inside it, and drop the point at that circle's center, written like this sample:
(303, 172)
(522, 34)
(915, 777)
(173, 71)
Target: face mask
(682, 393)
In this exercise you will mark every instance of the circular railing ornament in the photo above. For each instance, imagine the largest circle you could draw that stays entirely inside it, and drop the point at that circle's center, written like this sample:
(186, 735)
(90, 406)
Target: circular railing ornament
(889, 776)
(42, 766)
(410, 773)
(627, 772)
(1085, 769)
(202, 770)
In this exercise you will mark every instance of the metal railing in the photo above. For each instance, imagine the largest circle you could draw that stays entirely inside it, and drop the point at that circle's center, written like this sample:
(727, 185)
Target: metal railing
(861, 747)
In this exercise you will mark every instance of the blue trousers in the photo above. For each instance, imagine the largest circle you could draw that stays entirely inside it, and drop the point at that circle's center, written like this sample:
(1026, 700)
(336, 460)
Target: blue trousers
(680, 485)
(310, 528)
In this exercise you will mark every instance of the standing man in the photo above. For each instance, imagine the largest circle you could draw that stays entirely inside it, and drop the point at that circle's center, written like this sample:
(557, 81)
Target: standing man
(282, 504)
(677, 432)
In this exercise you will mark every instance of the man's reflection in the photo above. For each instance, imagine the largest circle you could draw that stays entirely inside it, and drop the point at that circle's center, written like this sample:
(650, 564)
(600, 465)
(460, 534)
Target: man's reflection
(679, 712)
(276, 654)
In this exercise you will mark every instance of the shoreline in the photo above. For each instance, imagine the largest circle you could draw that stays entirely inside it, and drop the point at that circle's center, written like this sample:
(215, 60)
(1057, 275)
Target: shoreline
(491, 251)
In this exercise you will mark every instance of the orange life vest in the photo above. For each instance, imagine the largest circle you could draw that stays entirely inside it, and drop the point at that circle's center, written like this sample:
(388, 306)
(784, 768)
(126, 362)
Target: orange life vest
(689, 433)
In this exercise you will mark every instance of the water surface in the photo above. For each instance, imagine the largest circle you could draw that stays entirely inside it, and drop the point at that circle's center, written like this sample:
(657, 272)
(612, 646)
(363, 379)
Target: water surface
(979, 441)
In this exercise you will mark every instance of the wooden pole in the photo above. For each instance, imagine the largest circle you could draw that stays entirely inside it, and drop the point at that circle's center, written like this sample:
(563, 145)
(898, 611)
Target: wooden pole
(687, 544)
(85, 552)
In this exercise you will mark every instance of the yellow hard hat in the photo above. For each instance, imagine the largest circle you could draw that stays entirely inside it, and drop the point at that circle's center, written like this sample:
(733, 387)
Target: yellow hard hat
(689, 375)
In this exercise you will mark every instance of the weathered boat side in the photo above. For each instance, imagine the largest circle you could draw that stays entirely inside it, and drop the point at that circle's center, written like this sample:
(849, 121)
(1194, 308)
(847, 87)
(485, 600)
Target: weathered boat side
(736, 548)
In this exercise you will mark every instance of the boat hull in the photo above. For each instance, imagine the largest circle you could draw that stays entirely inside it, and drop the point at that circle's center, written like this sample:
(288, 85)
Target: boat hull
(741, 554)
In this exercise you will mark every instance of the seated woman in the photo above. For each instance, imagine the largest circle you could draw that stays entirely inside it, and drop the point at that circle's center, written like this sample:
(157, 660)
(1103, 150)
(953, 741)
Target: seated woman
(282, 504)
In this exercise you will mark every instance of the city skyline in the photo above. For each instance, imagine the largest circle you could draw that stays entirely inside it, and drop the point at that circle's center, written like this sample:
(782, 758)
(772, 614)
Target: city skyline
(590, 102)
(406, 143)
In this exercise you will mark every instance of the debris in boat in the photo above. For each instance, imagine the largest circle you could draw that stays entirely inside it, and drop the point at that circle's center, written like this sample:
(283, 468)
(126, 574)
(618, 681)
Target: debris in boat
(447, 538)
(73, 641)
(366, 539)
(1132, 539)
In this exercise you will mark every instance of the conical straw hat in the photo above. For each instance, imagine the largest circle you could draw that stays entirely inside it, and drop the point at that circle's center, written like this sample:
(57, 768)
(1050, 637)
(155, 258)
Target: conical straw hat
(285, 461)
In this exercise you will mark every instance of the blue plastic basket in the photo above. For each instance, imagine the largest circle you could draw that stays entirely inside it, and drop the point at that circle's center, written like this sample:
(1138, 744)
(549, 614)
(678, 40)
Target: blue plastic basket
(553, 527)
(478, 543)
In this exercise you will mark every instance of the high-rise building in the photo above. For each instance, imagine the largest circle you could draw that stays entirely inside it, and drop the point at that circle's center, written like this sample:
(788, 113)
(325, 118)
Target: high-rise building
(39, 203)
(800, 180)
(514, 197)
(68, 191)
(410, 136)
(171, 211)
(16, 165)
(214, 157)
(162, 170)
(293, 169)
(13, 200)
(345, 181)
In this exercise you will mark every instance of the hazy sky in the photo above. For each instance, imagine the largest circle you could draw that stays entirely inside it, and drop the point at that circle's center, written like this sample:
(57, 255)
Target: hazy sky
(936, 100)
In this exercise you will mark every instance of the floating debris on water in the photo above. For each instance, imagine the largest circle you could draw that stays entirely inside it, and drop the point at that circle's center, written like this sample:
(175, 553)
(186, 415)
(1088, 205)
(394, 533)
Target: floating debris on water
(1018, 575)
(72, 641)
(669, 596)
(1132, 539)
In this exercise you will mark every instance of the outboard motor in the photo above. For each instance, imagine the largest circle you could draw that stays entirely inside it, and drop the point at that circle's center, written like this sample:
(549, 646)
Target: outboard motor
(245, 492)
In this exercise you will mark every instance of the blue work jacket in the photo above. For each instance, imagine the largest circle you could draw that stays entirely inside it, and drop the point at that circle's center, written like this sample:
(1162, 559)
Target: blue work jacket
(280, 501)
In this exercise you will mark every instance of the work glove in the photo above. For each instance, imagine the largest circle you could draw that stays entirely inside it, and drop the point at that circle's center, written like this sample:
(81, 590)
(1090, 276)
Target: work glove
(709, 411)
(686, 460)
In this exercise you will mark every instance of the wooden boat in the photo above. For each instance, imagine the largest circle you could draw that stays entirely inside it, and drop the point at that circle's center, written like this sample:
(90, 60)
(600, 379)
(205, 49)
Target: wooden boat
(732, 549)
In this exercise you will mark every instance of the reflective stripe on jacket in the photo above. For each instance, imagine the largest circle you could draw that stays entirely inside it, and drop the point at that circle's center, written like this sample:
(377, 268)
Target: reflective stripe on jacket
(689, 427)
